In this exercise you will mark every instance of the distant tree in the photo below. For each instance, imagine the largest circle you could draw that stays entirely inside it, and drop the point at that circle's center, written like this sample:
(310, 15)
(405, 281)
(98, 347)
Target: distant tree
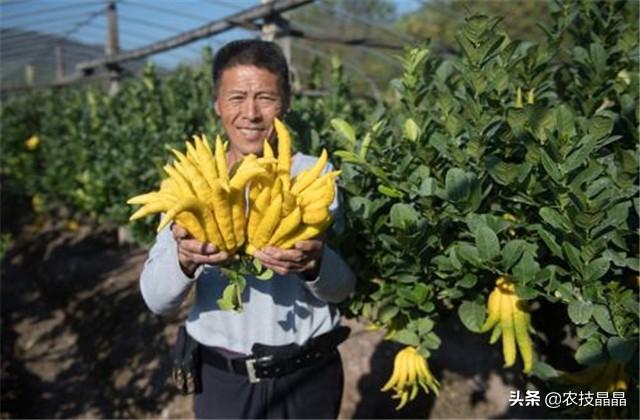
(377, 10)
(439, 20)
(349, 19)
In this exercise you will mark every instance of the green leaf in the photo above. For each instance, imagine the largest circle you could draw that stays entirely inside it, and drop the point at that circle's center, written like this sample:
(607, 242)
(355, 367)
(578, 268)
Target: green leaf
(468, 281)
(387, 313)
(472, 315)
(596, 269)
(411, 129)
(590, 352)
(468, 253)
(406, 337)
(265, 275)
(555, 219)
(487, 243)
(550, 167)
(425, 325)
(457, 186)
(390, 191)
(526, 269)
(580, 155)
(453, 125)
(598, 57)
(544, 371)
(600, 126)
(420, 292)
(541, 120)
(226, 302)
(564, 291)
(603, 318)
(573, 256)
(566, 121)
(345, 130)
(431, 341)
(526, 293)
(512, 252)
(587, 330)
(403, 216)
(428, 187)
(348, 156)
(364, 146)
(580, 312)
(618, 214)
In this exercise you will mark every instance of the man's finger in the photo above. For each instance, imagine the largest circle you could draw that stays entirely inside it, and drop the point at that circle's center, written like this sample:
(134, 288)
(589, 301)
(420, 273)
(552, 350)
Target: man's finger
(267, 259)
(179, 232)
(309, 245)
(199, 258)
(196, 247)
(276, 269)
(292, 255)
(207, 248)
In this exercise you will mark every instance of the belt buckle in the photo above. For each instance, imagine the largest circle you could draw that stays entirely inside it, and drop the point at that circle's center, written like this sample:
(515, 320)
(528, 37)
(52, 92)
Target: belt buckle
(251, 367)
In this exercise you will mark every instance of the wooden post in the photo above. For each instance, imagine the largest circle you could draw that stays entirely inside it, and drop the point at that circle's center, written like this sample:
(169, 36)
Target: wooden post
(276, 29)
(59, 64)
(269, 28)
(112, 47)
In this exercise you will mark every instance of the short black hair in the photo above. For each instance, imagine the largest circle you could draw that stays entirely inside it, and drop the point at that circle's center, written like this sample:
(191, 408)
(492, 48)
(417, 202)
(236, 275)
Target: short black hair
(262, 54)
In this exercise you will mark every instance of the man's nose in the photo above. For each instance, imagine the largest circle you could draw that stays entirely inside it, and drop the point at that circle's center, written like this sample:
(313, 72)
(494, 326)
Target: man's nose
(251, 109)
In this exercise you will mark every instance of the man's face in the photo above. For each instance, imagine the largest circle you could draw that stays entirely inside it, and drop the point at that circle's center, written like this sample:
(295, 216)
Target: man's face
(248, 100)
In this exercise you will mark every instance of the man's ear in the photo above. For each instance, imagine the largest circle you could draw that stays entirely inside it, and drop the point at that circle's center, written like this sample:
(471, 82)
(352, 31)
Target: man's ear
(216, 107)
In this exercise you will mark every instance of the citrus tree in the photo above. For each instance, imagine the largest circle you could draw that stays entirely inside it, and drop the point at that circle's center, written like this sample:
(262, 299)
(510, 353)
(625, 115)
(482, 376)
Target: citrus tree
(95, 150)
(505, 179)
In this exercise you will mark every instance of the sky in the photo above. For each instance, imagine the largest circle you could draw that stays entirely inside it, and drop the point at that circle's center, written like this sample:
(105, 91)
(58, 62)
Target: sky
(140, 22)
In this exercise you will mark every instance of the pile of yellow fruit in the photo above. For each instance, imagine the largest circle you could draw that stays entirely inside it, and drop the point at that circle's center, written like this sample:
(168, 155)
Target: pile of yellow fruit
(210, 201)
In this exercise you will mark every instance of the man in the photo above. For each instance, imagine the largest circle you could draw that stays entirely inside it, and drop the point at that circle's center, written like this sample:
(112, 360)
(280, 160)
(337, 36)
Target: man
(277, 358)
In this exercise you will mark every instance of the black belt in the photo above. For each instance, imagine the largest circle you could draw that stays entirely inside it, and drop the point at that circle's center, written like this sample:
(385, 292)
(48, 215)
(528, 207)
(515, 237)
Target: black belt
(271, 362)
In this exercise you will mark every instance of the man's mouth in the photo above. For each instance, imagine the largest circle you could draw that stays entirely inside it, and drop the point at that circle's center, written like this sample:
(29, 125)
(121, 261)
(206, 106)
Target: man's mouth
(251, 133)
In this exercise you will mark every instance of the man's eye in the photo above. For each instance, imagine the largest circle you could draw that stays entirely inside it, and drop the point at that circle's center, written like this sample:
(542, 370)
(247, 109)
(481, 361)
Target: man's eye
(235, 98)
(267, 98)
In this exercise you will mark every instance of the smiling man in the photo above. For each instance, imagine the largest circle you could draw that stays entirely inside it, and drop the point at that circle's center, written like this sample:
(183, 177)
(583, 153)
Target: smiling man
(248, 98)
(278, 358)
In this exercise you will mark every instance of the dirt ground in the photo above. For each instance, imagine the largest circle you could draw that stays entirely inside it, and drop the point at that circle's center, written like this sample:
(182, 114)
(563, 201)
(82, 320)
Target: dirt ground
(78, 342)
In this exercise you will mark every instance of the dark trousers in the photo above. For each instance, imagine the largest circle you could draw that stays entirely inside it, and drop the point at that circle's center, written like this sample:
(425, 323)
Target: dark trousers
(311, 392)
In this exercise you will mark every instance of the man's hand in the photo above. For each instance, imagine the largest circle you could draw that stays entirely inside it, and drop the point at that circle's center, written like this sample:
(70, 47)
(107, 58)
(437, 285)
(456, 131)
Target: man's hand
(304, 258)
(192, 253)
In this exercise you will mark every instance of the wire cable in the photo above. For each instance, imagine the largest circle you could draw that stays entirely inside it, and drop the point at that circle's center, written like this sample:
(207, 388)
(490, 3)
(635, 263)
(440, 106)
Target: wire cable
(45, 20)
(13, 2)
(362, 47)
(90, 17)
(171, 29)
(54, 9)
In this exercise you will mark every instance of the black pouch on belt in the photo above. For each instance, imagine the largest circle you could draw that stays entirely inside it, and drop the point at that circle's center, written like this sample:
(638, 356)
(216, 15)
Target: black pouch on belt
(185, 356)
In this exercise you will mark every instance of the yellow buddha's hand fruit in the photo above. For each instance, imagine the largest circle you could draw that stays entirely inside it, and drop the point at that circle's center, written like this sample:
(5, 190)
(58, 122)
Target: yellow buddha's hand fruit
(286, 209)
(508, 316)
(202, 196)
(410, 371)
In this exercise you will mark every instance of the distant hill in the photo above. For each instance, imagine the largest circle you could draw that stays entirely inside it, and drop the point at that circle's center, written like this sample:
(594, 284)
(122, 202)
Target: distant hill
(20, 48)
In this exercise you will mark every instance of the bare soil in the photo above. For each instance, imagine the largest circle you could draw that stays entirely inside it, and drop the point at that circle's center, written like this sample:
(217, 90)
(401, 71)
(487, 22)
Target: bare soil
(78, 342)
